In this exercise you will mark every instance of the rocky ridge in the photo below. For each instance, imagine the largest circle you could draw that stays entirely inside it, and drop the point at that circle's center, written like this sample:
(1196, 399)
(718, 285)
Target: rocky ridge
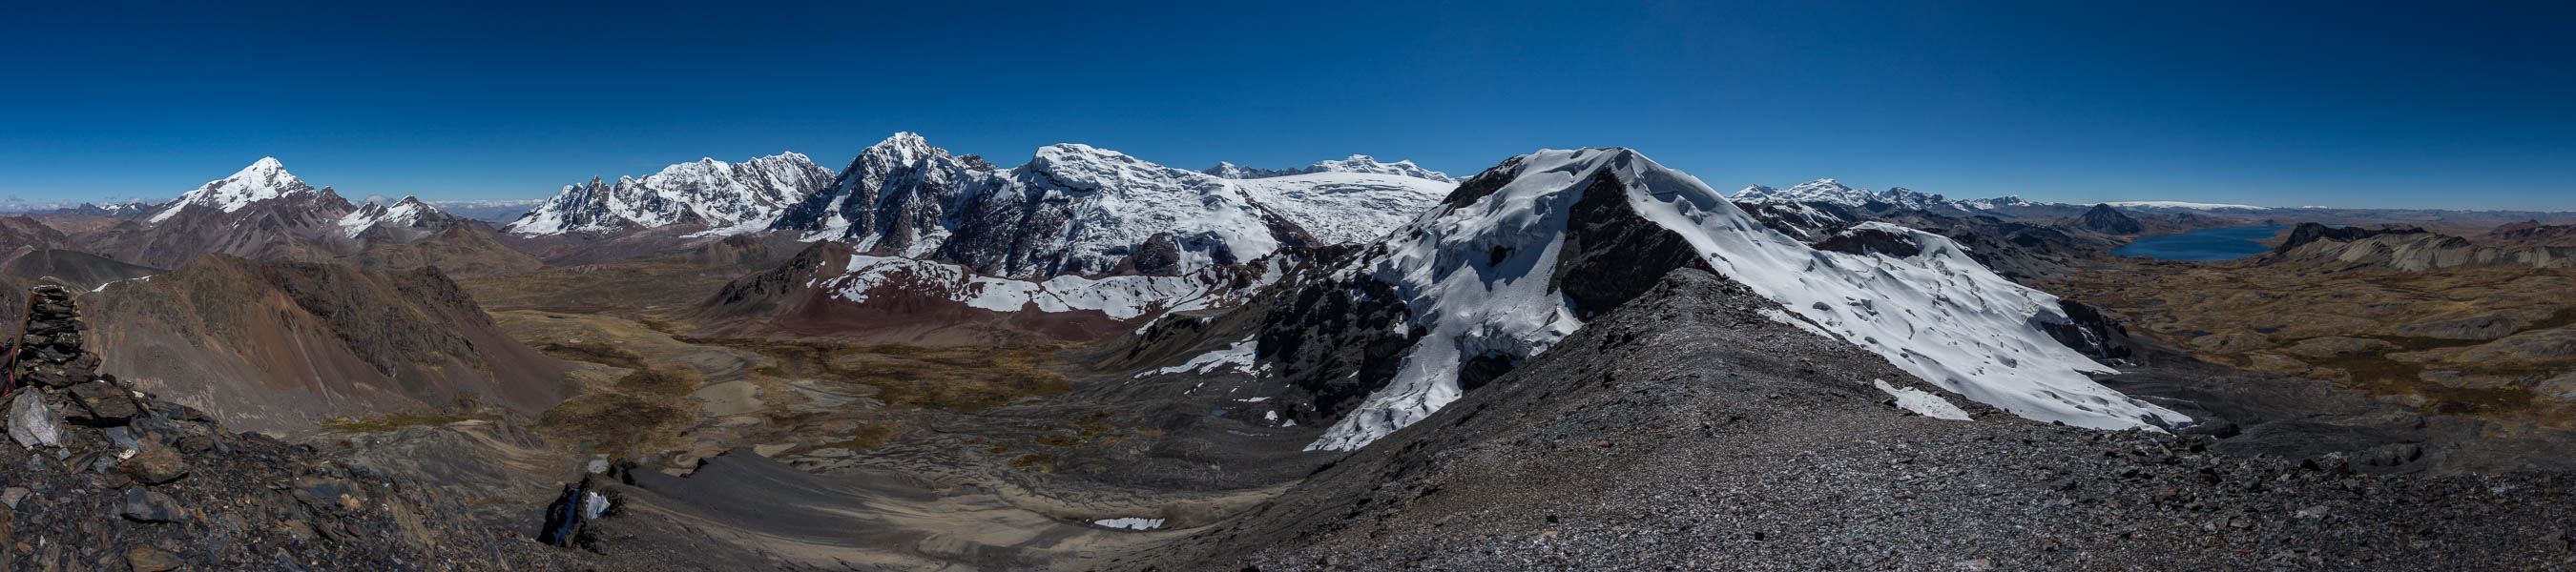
(2408, 250)
(1687, 430)
(110, 478)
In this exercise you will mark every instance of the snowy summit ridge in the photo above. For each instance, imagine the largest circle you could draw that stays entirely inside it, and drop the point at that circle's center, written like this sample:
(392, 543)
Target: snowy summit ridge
(263, 180)
(1474, 274)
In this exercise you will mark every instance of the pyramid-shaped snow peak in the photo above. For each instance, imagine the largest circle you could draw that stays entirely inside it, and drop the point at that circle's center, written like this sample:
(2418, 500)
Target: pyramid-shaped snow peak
(1523, 253)
(263, 180)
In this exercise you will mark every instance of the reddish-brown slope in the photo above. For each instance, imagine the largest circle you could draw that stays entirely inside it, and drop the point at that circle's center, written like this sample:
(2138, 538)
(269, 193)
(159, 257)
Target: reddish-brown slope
(274, 347)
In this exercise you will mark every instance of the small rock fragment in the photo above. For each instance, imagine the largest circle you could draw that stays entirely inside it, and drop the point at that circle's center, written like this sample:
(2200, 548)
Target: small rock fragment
(150, 506)
(149, 559)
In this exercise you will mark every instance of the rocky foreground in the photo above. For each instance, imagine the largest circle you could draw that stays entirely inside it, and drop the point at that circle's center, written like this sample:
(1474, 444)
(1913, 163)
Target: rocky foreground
(1686, 431)
(99, 476)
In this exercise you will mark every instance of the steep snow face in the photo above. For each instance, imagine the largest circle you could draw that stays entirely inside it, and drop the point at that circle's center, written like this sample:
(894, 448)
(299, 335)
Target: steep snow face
(895, 197)
(1352, 164)
(406, 213)
(1476, 277)
(1346, 207)
(263, 180)
(729, 198)
(1116, 202)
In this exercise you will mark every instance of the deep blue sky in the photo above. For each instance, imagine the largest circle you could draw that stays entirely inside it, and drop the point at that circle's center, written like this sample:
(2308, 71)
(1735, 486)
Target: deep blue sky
(2452, 104)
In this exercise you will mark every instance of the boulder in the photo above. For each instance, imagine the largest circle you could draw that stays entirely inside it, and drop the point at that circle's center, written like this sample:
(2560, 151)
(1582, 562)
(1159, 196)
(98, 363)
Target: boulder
(33, 421)
(155, 465)
(100, 404)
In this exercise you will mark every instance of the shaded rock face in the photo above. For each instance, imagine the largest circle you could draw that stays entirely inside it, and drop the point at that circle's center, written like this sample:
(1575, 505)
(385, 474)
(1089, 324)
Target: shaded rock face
(2309, 232)
(1335, 340)
(2104, 219)
(134, 481)
(2088, 331)
(1612, 254)
(1158, 257)
(1868, 241)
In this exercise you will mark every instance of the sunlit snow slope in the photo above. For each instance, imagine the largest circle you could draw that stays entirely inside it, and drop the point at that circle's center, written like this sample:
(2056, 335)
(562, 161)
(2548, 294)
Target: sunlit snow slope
(1477, 277)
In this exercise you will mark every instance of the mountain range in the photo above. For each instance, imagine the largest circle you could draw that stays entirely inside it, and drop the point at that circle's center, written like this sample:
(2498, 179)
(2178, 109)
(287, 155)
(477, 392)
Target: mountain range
(925, 360)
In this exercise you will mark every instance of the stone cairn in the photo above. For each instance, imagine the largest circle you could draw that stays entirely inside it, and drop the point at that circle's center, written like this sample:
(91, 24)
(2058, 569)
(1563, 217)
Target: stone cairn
(52, 374)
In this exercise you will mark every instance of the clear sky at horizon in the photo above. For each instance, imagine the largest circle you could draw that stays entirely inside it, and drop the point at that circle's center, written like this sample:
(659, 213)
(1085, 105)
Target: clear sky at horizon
(2450, 105)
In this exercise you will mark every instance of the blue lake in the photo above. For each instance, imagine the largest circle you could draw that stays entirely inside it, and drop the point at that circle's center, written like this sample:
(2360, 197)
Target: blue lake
(2210, 244)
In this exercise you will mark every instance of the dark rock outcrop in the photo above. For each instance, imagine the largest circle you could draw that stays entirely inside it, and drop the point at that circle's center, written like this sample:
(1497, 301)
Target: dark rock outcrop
(2104, 219)
(2309, 232)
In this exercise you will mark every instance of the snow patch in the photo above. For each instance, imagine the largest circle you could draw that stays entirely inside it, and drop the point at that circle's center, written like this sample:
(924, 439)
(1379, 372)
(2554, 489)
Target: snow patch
(1237, 356)
(1922, 402)
(1131, 523)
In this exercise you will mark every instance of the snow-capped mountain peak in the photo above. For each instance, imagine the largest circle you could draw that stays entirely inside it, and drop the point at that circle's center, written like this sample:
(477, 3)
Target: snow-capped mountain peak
(263, 180)
(726, 197)
(1490, 277)
(407, 212)
(896, 195)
